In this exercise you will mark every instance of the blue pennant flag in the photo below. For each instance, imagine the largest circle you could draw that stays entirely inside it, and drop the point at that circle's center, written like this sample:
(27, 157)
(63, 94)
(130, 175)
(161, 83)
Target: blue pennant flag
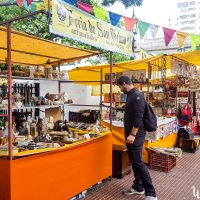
(114, 18)
(72, 2)
(25, 4)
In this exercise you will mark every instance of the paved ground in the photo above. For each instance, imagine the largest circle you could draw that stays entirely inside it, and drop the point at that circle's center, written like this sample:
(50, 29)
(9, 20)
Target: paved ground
(175, 185)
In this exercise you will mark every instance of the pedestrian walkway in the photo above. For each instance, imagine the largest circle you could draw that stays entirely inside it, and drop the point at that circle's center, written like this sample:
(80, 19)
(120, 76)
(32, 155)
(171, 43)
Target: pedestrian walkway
(178, 184)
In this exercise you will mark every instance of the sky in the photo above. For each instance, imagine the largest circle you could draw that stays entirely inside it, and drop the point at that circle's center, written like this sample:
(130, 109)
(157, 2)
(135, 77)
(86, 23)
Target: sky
(152, 11)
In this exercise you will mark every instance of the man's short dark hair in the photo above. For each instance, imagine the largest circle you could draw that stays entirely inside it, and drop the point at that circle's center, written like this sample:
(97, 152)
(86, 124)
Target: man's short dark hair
(124, 79)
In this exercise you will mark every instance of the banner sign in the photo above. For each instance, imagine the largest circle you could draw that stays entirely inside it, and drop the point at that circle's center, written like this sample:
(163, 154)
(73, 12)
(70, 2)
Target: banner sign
(68, 21)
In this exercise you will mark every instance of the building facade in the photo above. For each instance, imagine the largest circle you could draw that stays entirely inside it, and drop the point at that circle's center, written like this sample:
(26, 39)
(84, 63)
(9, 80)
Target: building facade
(186, 16)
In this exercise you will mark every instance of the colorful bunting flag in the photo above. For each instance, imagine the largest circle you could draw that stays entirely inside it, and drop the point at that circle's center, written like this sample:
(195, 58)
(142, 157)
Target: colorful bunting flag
(114, 18)
(19, 2)
(181, 36)
(100, 13)
(195, 41)
(39, 7)
(168, 34)
(46, 4)
(29, 2)
(25, 4)
(129, 23)
(33, 7)
(85, 7)
(72, 2)
(153, 30)
(143, 27)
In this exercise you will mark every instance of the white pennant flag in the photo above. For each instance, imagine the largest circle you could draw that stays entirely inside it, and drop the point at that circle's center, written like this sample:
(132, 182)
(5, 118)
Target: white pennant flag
(154, 30)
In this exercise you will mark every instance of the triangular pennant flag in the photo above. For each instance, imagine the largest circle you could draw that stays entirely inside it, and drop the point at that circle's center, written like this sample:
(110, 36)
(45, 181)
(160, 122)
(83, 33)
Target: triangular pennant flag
(39, 7)
(195, 41)
(46, 4)
(19, 2)
(85, 7)
(153, 30)
(114, 18)
(29, 2)
(181, 37)
(129, 23)
(168, 34)
(25, 4)
(143, 27)
(72, 2)
(33, 7)
(100, 13)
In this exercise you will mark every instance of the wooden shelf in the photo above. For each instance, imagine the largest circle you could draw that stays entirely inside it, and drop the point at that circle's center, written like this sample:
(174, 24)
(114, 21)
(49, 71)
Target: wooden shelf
(28, 78)
(33, 107)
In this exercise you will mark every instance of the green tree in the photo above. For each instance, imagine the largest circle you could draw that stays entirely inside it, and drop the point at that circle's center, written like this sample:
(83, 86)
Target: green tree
(126, 3)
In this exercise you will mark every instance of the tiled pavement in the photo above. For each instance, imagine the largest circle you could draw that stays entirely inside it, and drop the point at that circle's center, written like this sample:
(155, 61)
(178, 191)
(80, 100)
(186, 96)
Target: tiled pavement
(175, 185)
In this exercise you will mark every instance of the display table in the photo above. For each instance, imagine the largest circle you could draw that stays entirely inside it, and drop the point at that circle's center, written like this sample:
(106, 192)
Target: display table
(57, 174)
(118, 138)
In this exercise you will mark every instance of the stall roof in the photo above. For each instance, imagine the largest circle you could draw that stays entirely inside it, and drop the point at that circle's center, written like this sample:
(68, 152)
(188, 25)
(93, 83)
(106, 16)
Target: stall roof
(92, 73)
(191, 57)
(31, 50)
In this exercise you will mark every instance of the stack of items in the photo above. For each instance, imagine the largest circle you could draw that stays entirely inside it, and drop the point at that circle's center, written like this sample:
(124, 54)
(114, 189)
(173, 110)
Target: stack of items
(194, 84)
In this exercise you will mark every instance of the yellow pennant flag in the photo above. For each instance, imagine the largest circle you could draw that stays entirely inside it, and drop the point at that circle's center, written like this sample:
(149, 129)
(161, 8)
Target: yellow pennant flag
(181, 36)
(46, 4)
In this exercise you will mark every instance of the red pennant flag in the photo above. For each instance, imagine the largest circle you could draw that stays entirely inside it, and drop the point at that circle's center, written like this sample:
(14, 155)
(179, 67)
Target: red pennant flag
(85, 7)
(168, 34)
(29, 2)
(129, 23)
(19, 2)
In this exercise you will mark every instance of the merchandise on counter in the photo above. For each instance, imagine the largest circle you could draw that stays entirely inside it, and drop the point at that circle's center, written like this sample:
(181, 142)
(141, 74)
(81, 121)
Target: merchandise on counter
(39, 74)
(56, 75)
(165, 127)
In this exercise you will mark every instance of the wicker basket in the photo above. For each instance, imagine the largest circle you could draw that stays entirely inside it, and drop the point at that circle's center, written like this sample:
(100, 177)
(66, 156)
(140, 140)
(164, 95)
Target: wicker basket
(161, 162)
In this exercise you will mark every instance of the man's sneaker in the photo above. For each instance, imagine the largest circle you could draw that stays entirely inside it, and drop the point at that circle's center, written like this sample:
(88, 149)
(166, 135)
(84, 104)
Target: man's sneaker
(132, 192)
(150, 198)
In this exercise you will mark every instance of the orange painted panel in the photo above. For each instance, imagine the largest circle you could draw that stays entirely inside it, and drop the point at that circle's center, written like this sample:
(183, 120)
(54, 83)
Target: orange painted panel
(117, 134)
(61, 175)
(4, 179)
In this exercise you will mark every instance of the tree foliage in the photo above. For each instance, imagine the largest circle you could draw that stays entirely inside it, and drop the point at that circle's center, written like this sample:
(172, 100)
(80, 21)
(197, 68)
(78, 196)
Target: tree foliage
(126, 3)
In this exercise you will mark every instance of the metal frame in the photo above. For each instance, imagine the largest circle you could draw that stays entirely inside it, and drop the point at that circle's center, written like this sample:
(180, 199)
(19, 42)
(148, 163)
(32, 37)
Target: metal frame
(110, 82)
(9, 64)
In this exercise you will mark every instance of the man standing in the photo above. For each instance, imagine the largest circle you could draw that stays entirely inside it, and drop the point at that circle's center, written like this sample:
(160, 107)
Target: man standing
(135, 136)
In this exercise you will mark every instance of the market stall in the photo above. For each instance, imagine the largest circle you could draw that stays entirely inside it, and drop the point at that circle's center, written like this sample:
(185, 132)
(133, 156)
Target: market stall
(36, 162)
(159, 88)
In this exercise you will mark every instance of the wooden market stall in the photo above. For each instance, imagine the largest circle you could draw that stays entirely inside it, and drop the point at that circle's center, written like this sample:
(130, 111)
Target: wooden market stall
(152, 65)
(51, 173)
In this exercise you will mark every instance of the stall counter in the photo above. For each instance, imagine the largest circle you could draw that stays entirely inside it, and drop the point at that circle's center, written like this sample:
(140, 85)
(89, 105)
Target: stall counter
(57, 174)
(118, 138)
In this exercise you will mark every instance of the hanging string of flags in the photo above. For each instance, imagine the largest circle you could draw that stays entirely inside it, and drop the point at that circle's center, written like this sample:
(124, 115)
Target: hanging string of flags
(129, 23)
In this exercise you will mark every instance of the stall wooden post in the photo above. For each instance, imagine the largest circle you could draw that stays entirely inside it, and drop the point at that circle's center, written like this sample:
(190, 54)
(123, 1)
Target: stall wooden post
(111, 95)
(9, 88)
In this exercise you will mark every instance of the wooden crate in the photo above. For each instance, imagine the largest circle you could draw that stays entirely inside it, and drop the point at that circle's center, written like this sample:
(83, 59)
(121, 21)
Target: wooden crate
(121, 164)
(189, 145)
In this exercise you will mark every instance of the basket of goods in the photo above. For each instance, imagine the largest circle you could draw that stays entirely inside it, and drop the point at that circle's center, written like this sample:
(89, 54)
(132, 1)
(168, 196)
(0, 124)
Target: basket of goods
(162, 160)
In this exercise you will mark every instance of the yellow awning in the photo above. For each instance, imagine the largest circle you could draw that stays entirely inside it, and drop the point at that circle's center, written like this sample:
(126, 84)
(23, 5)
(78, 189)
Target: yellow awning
(93, 73)
(31, 50)
(191, 57)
